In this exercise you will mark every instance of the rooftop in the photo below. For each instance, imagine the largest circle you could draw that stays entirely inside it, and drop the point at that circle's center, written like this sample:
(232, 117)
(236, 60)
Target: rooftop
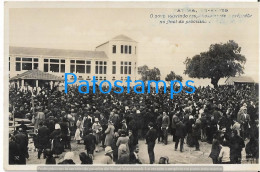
(118, 38)
(242, 79)
(56, 52)
(36, 74)
(122, 38)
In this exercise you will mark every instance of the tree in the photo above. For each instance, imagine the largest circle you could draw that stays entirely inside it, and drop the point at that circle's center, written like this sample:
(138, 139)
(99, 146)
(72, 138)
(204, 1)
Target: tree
(221, 60)
(172, 76)
(149, 74)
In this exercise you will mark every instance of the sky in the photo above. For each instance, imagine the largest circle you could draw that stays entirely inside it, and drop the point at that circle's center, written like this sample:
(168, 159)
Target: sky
(159, 45)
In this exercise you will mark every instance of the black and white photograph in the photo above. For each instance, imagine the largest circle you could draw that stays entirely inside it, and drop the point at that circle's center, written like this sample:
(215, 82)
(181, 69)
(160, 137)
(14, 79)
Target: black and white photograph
(131, 83)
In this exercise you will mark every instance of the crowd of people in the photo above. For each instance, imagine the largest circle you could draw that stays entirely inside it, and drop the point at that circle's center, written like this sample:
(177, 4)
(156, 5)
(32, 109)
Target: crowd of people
(226, 117)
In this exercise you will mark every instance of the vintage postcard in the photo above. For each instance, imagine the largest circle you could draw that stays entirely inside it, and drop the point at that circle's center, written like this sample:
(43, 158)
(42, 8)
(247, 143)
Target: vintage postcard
(132, 86)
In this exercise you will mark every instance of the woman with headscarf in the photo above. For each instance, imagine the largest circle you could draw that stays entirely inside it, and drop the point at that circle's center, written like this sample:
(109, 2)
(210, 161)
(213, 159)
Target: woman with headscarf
(57, 146)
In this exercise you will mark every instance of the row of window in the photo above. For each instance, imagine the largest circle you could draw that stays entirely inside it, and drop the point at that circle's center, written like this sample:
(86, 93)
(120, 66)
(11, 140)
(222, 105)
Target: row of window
(76, 66)
(100, 78)
(125, 49)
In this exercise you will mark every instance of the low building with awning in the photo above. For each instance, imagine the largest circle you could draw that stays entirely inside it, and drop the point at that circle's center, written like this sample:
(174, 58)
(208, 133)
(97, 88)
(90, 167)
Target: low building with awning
(239, 80)
(35, 78)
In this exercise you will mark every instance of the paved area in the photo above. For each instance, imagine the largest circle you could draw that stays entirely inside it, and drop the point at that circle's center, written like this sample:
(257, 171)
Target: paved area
(189, 156)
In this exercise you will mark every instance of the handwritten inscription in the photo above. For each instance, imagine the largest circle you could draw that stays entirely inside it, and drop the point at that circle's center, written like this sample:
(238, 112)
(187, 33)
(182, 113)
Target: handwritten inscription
(203, 16)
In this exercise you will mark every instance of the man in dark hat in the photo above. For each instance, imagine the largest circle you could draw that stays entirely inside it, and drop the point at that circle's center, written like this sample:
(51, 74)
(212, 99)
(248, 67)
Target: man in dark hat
(22, 142)
(43, 139)
(151, 137)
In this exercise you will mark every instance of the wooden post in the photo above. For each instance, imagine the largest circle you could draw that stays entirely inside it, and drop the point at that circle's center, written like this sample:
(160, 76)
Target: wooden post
(37, 83)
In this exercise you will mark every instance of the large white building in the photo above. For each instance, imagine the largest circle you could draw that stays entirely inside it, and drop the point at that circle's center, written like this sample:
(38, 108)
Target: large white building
(113, 60)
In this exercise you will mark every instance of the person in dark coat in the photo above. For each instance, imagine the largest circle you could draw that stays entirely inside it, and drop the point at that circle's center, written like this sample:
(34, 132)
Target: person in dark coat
(131, 141)
(49, 157)
(114, 147)
(196, 134)
(236, 146)
(190, 140)
(212, 129)
(175, 120)
(134, 157)
(252, 149)
(158, 127)
(133, 127)
(21, 140)
(215, 150)
(56, 141)
(13, 151)
(85, 159)
(65, 133)
(43, 139)
(180, 134)
(90, 143)
(151, 137)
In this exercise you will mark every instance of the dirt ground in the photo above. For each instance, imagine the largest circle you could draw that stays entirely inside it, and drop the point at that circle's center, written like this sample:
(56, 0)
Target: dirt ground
(189, 156)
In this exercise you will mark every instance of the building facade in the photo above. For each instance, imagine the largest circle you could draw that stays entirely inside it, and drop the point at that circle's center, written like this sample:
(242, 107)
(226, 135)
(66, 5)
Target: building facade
(113, 60)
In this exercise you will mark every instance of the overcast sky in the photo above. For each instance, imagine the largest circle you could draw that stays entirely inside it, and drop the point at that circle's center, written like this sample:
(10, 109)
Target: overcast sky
(163, 46)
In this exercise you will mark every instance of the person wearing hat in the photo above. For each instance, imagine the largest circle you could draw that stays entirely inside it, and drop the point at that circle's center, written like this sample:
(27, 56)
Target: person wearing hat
(151, 137)
(43, 139)
(68, 158)
(57, 146)
(22, 143)
(108, 159)
(97, 129)
(90, 142)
